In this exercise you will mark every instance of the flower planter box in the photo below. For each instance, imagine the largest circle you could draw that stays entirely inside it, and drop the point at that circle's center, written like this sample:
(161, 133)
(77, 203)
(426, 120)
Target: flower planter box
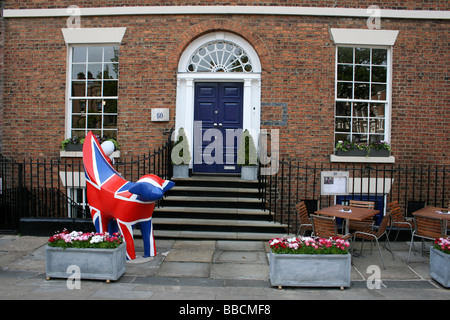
(363, 153)
(74, 147)
(181, 171)
(249, 173)
(98, 264)
(310, 270)
(440, 267)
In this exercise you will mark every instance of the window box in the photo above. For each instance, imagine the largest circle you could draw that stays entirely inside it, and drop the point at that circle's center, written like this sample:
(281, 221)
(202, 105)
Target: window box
(74, 147)
(363, 153)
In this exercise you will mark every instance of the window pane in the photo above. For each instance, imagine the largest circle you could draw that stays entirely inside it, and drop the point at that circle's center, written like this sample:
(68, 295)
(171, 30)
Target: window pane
(110, 134)
(379, 56)
(110, 71)
(362, 55)
(109, 121)
(377, 110)
(378, 92)
(345, 55)
(81, 134)
(344, 90)
(110, 106)
(343, 108)
(95, 106)
(342, 137)
(359, 125)
(360, 138)
(376, 125)
(94, 88)
(362, 91)
(345, 72)
(94, 122)
(79, 54)
(112, 54)
(94, 70)
(379, 74)
(79, 71)
(78, 106)
(376, 137)
(360, 109)
(110, 88)
(78, 121)
(95, 54)
(78, 88)
(362, 73)
(342, 125)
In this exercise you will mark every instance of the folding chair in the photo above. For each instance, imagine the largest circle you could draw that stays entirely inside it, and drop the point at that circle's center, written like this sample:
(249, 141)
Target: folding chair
(398, 219)
(429, 228)
(375, 235)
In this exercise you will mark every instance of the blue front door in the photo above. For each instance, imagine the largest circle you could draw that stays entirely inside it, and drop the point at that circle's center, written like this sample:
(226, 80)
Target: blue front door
(218, 108)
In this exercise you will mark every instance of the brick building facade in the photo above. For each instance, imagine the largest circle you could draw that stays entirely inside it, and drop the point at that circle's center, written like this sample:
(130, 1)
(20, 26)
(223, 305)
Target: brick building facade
(393, 78)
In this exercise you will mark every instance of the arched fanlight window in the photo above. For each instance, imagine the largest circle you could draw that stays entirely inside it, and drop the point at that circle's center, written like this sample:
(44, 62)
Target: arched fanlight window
(220, 56)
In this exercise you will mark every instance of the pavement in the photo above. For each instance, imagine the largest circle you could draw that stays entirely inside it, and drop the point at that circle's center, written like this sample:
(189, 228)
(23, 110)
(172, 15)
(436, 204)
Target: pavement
(212, 270)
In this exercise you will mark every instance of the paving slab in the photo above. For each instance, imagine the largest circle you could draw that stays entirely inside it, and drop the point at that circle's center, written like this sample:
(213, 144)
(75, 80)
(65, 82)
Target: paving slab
(184, 269)
(190, 255)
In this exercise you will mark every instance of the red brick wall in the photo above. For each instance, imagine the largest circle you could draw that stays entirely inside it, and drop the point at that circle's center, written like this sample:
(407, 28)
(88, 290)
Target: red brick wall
(297, 57)
(384, 4)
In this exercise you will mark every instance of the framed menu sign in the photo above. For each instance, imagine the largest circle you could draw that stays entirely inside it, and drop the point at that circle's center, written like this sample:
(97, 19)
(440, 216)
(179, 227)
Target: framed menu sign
(334, 183)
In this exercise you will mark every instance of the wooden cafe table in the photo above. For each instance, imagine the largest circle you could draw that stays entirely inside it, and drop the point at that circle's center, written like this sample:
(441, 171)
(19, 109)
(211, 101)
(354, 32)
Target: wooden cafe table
(435, 212)
(355, 213)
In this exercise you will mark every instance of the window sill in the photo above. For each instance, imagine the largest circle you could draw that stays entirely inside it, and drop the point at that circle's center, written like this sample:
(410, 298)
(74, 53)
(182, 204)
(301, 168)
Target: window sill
(390, 159)
(79, 154)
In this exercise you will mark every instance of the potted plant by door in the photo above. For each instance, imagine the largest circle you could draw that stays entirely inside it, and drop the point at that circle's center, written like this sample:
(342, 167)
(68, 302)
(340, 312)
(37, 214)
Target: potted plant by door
(181, 156)
(247, 157)
(309, 262)
(440, 261)
(96, 256)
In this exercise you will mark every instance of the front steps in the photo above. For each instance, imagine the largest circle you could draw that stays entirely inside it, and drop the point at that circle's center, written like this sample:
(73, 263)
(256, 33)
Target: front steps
(214, 207)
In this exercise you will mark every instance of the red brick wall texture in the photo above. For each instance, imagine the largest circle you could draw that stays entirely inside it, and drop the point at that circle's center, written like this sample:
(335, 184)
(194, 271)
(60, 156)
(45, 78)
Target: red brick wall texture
(298, 72)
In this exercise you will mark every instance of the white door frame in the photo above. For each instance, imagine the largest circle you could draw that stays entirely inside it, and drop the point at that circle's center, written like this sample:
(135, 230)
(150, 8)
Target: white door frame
(184, 116)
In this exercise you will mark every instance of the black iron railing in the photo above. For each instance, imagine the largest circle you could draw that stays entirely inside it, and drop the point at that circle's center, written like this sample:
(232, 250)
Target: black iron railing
(413, 187)
(55, 188)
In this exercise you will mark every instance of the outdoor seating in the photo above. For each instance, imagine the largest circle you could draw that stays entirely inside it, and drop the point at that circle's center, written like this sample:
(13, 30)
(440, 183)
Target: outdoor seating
(375, 235)
(367, 223)
(398, 219)
(326, 227)
(303, 221)
(429, 228)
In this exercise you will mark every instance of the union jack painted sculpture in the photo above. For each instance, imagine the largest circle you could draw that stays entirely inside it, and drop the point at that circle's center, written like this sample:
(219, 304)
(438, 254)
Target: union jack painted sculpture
(112, 197)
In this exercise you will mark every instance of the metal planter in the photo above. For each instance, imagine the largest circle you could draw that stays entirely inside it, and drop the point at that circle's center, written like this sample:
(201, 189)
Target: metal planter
(440, 267)
(310, 270)
(98, 264)
(363, 153)
(249, 173)
(181, 171)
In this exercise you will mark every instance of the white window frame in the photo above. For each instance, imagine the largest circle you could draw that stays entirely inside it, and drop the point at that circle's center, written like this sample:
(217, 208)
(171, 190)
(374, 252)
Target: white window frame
(71, 98)
(383, 39)
(388, 101)
(85, 37)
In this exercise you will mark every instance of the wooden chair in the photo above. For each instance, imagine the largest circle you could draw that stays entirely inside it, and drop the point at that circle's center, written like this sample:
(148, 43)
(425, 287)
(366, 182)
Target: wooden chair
(426, 228)
(303, 221)
(366, 224)
(398, 219)
(375, 235)
(325, 227)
